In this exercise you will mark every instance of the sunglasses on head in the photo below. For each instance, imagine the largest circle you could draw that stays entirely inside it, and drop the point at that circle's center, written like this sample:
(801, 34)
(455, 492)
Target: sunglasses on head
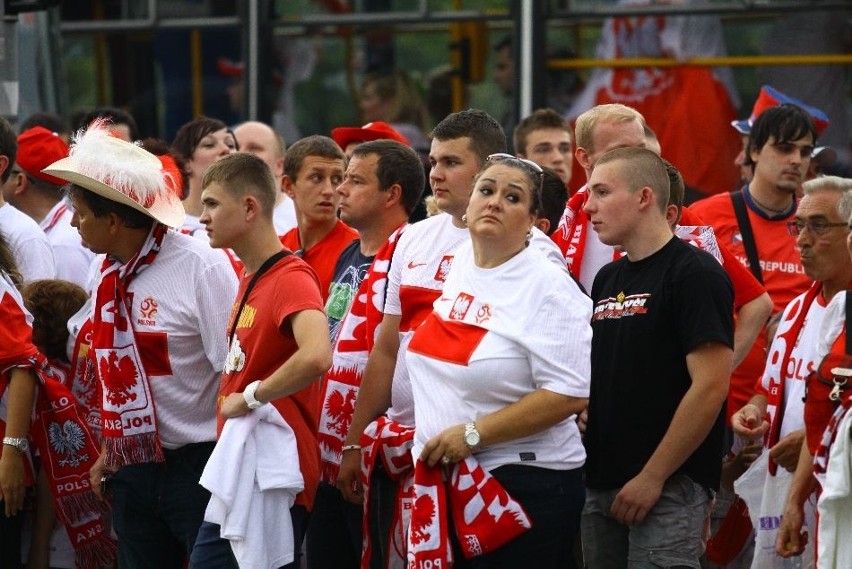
(528, 164)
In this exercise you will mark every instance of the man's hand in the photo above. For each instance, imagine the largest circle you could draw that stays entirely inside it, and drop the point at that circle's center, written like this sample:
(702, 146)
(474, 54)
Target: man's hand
(12, 480)
(96, 473)
(750, 422)
(791, 539)
(583, 420)
(636, 499)
(234, 405)
(349, 477)
(786, 452)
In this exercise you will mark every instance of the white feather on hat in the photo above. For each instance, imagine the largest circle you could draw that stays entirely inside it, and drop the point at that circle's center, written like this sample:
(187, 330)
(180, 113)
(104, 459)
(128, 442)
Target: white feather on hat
(119, 171)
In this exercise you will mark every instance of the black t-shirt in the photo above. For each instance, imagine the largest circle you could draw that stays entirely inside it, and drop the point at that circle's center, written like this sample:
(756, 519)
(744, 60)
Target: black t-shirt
(648, 316)
(349, 271)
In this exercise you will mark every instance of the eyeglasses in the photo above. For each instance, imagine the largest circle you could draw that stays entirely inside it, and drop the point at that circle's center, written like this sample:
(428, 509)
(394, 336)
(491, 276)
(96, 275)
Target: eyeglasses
(528, 164)
(816, 226)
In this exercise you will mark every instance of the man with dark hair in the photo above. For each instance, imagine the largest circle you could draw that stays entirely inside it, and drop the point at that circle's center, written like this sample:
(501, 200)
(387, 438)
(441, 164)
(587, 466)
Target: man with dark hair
(313, 170)
(159, 307)
(30, 246)
(278, 349)
(752, 223)
(460, 145)
(545, 138)
(660, 368)
(39, 196)
(382, 185)
(504, 77)
(554, 193)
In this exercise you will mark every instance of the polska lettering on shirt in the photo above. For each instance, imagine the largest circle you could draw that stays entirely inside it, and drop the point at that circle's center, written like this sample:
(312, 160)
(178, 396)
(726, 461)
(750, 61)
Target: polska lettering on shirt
(621, 306)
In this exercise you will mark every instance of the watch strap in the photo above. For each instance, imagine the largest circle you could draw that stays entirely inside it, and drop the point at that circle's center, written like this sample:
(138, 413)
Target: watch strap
(248, 395)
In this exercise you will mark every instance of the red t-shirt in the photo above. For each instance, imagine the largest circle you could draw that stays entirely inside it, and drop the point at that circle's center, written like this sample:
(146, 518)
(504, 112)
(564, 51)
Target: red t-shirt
(323, 256)
(783, 275)
(265, 341)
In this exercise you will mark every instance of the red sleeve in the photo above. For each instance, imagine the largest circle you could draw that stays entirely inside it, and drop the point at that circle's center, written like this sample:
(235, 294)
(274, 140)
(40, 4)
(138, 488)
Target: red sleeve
(16, 335)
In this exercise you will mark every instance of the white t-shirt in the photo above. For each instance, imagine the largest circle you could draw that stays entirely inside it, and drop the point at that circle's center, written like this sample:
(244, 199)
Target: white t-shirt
(419, 267)
(284, 215)
(28, 243)
(493, 339)
(73, 260)
(832, 324)
(185, 298)
(803, 360)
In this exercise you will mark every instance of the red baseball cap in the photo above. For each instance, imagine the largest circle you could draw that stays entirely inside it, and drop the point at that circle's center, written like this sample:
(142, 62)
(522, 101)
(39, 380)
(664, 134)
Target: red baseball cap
(376, 130)
(38, 148)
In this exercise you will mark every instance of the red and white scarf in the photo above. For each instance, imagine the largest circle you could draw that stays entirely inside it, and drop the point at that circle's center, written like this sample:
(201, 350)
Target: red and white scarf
(129, 414)
(389, 442)
(828, 438)
(485, 516)
(68, 451)
(351, 351)
(778, 370)
(572, 232)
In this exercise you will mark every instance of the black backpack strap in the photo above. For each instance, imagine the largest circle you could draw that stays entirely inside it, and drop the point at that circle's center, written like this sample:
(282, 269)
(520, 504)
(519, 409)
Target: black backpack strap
(848, 320)
(747, 234)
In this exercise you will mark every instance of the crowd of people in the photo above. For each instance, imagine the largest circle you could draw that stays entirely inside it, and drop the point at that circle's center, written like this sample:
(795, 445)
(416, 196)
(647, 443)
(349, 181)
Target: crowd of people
(226, 352)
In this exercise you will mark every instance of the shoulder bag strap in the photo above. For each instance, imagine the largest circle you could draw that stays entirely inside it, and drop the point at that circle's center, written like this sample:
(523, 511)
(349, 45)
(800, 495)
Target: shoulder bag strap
(747, 235)
(267, 264)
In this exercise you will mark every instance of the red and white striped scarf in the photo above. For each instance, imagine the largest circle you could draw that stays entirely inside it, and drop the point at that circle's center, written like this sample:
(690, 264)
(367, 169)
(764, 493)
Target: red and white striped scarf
(351, 351)
(485, 516)
(129, 413)
(390, 443)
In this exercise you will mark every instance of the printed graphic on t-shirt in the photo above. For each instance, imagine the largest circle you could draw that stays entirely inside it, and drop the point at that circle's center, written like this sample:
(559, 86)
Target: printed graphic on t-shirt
(444, 268)
(621, 306)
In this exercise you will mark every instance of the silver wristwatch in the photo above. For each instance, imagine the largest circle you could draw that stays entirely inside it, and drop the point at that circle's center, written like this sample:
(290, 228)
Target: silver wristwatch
(471, 436)
(19, 444)
(248, 395)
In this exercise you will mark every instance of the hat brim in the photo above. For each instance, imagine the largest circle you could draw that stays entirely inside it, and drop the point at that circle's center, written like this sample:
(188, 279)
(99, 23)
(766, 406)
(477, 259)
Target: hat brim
(168, 211)
(741, 127)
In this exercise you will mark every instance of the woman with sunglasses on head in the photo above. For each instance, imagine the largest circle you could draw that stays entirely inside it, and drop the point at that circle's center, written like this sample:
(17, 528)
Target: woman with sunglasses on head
(495, 381)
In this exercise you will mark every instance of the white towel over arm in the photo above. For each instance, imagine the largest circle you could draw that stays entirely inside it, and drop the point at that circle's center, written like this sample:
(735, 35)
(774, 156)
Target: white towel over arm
(253, 476)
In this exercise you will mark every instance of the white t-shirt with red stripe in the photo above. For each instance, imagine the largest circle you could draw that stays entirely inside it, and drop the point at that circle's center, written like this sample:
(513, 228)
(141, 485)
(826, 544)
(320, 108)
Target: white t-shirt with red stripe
(419, 267)
(496, 335)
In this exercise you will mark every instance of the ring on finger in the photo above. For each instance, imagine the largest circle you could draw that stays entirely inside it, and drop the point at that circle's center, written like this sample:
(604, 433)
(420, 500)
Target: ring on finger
(445, 459)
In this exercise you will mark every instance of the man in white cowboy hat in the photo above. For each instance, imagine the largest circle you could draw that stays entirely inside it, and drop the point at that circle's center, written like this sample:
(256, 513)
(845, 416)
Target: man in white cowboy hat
(160, 309)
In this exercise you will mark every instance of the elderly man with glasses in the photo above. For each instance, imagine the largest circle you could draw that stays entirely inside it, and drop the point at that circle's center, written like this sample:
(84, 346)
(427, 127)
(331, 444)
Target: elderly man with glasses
(821, 232)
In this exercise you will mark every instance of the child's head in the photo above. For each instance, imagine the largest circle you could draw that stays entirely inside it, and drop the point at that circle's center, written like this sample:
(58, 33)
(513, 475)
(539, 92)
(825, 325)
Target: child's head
(52, 302)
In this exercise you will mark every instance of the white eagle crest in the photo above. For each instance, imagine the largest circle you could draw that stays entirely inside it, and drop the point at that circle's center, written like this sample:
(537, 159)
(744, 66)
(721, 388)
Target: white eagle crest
(67, 439)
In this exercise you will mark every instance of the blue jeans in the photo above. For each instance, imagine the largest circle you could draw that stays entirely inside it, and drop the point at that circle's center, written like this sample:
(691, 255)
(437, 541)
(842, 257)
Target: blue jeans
(338, 522)
(158, 508)
(213, 552)
(672, 535)
(553, 499)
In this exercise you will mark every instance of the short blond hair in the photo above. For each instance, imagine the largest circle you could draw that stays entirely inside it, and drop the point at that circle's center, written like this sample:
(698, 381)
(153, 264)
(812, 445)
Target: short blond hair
(609, 113)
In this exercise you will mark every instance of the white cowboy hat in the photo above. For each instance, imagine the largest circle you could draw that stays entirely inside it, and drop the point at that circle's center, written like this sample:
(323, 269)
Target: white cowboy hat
(119, 171)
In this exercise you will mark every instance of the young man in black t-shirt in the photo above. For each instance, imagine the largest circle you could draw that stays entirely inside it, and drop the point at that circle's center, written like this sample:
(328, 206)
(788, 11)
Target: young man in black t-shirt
(661, 360)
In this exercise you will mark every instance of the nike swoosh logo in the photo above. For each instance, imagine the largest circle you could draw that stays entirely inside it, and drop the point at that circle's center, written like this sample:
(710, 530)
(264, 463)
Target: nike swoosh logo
(413, 265)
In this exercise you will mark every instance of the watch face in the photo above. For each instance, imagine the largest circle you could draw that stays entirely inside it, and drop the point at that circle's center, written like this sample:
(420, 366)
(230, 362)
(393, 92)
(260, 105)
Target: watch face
(472, 438)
